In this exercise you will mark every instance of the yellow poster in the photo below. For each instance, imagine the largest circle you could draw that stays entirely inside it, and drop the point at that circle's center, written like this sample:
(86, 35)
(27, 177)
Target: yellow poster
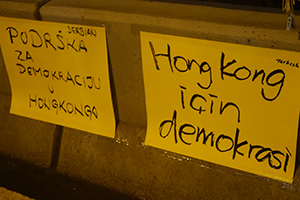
(229, 104)
(59, 73)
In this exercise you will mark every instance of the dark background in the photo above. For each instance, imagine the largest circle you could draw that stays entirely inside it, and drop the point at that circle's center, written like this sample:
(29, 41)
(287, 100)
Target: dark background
(262, 3)
(257, 3)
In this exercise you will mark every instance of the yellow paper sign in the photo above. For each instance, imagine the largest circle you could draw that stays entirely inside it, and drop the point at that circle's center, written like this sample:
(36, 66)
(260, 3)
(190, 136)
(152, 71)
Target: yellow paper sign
(58, 73)
(229, 104)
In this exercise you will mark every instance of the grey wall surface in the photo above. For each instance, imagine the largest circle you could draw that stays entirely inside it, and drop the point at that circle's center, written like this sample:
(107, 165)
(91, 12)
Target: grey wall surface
(125, 163)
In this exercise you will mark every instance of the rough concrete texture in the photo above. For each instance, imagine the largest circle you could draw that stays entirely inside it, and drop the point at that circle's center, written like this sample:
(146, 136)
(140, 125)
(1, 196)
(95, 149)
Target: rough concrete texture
(151, 173)
(10, 195)
(27, 9)
(22, 138)
(125, 164)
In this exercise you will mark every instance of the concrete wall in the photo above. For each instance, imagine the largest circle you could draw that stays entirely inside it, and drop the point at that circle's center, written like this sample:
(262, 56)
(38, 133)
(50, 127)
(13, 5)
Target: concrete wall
(124, 163)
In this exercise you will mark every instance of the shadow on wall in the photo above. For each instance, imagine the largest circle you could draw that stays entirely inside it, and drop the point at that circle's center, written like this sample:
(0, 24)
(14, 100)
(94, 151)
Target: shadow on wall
(298, 148)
